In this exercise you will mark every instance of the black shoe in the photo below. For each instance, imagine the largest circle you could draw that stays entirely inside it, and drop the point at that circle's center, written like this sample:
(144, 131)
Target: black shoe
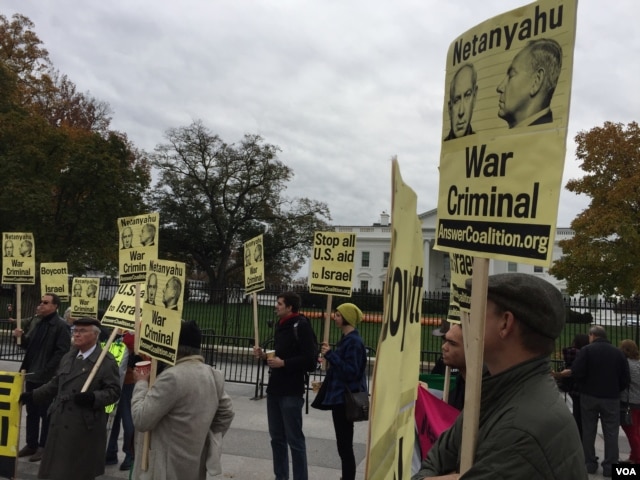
(36, 457)
(111, 460)
(27, 451)
(126, 464)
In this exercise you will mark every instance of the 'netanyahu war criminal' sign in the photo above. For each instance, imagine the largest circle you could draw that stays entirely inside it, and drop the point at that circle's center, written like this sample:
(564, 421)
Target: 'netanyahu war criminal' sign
(332, 263)
(18, 258)
(506, 109)
(254, 265)
(84, 297)
(138, 245)
(160, 326)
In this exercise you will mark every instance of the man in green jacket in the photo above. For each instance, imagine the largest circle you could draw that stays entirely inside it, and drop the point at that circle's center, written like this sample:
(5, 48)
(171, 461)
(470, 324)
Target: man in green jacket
(525, 429)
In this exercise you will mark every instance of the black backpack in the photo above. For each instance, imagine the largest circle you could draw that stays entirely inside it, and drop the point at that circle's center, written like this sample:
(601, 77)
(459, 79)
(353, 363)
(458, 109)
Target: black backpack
(315, 364)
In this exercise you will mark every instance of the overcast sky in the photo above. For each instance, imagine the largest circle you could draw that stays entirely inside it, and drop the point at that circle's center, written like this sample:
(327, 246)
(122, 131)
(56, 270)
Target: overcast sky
(339, 85)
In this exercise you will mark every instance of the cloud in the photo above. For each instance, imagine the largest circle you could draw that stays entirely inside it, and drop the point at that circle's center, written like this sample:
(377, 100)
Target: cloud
(339, 86)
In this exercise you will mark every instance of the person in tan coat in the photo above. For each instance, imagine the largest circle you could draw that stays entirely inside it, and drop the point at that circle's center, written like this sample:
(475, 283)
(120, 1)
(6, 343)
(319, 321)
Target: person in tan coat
(187, 412)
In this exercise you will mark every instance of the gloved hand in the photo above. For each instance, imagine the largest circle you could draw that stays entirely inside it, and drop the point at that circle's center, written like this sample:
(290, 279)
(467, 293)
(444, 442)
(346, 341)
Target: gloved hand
(26, 398)
(85, 399)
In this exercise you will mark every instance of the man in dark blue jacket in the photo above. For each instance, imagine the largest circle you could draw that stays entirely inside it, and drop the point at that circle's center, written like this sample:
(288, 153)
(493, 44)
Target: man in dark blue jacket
(602, 372)
(294, 351)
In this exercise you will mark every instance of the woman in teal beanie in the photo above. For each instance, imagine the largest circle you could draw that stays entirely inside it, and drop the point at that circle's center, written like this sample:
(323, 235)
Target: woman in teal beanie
(346, 369)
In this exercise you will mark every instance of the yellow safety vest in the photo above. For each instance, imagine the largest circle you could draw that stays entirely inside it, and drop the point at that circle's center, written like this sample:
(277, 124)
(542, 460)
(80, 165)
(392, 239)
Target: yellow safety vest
(116, 349)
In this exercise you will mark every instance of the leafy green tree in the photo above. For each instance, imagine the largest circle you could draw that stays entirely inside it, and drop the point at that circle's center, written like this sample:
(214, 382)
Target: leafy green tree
(214, 196)
(66, 176)
(604, 254)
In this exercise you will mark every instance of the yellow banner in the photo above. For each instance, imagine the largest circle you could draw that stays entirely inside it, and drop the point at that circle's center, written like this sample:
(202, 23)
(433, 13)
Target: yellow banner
(54, 278)
(122, 309)
(506, 109)
(138, 243)
(160, 326)
(84, 297)
(254, 265)
(332, 263)
(18, 258)
(397, 367)
(461, 269)
(10, 390)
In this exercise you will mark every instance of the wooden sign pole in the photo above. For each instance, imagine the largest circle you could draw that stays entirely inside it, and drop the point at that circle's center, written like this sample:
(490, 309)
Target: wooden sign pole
(19, 311)
(327, 319)
(445, 388)
(146, 441)
(327, 326)
(103, 353)
(473, 338)
(256, 337)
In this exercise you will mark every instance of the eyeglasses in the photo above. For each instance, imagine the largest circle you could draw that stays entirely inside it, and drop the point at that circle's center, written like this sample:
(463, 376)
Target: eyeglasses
(44, 302)
(80, 331)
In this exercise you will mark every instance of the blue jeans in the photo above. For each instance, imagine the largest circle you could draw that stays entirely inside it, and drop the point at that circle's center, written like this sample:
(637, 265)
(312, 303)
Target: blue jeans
(123, 413)
(285, 428)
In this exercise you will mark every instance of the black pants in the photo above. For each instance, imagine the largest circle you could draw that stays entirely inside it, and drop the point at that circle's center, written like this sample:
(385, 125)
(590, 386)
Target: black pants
(344, 441)
(36, 414)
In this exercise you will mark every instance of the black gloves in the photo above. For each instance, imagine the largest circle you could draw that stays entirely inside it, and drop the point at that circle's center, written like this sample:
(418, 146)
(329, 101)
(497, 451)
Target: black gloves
(26, 398)
(84, 399)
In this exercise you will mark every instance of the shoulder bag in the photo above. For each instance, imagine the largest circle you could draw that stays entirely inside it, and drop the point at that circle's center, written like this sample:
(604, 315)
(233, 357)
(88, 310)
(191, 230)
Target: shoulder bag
(356, 405)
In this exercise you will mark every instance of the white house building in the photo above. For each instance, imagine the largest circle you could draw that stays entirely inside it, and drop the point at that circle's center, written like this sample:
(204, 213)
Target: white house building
(373, 246)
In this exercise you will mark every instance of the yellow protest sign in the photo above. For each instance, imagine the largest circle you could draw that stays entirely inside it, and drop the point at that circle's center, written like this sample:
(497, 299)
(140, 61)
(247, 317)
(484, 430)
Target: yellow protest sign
(506, 109)
(10, 390)
(461, 269)
(332, 263)
(18, 258)
(254, 265)
(397, 367)
(160, 326)
(54, 278)
(138, 241)
(84, 297)
(121, 312)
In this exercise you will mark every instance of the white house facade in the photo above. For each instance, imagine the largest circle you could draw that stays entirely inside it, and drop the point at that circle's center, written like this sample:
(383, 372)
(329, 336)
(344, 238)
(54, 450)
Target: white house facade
(373, 247)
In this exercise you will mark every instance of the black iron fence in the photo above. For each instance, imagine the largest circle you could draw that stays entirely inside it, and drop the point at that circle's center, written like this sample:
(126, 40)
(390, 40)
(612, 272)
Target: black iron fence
(226, 316)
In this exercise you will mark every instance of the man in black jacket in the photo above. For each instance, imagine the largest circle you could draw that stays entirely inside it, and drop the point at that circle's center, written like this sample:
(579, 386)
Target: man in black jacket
(294, 352)
(602, 372)
(45, 342)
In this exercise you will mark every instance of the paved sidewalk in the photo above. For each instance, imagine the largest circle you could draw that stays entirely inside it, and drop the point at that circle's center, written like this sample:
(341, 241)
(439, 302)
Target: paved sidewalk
(246, 449)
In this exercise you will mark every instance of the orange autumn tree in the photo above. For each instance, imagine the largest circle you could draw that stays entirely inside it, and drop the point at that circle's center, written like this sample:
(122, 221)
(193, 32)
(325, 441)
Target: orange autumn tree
(604, 255)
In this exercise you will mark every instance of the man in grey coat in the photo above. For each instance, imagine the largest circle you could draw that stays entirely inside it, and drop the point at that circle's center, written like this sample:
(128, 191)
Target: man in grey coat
(78, 422)
(187, 412)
